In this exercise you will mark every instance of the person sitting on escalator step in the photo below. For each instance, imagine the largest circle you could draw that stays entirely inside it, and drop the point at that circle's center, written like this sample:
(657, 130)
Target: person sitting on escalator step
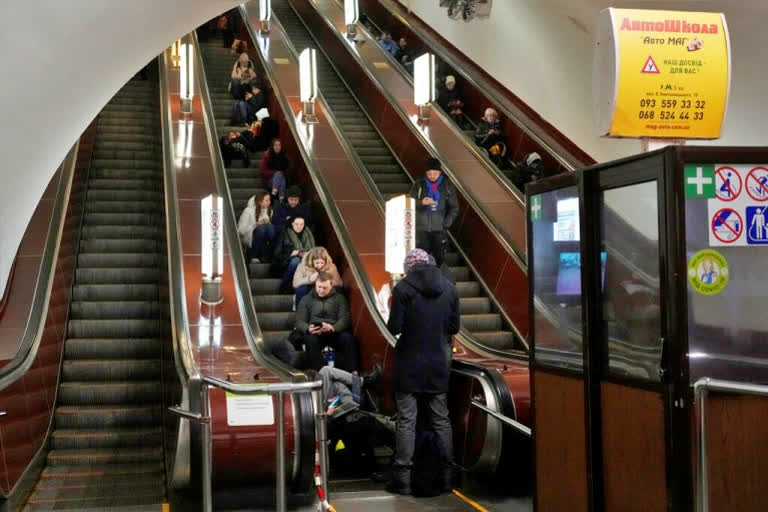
(387, 43)
(437, 207)
(274, 169)
(450, 101)
(233, 148)
(489, 135)
(314, 262)
(293, 243)
(292, 207)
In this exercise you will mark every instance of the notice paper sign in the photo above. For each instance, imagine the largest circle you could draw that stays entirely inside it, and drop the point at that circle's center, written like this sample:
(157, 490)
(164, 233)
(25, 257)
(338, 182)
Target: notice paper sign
(249, 410)
(661, 73)
(737, 199)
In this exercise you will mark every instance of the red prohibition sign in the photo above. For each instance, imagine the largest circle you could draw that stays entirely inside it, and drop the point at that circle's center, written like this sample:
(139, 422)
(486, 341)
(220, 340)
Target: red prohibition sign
(761, 185)
(733, 193)
(718, 217)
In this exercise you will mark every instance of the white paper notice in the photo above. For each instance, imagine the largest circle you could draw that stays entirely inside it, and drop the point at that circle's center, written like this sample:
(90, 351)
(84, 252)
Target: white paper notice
(248, 410)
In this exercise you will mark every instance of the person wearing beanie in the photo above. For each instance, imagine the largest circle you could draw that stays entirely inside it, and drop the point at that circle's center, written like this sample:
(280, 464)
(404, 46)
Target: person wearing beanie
(425, 313)
(292, 207)
(437, 207)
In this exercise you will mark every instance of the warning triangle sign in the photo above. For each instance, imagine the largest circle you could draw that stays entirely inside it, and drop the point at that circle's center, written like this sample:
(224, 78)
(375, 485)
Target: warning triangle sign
(650, 66)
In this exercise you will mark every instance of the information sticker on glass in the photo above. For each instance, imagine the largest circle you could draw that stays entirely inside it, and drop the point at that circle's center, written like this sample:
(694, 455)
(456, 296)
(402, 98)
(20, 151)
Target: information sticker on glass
(249, 410)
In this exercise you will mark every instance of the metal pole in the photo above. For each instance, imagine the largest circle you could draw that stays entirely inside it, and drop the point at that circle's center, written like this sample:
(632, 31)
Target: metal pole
(205, 440)
(281, 503)
(702, 490)
(321, 436)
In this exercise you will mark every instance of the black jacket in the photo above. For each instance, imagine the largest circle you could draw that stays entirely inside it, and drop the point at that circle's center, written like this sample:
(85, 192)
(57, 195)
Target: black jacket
(284, 247)
(447, 208)
(485, 139)
(446, 96)
(333, 309)
(425, 312)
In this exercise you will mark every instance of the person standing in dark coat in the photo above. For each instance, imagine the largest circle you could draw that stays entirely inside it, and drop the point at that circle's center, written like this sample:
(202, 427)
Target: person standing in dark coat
(436, 208)
(425, 313)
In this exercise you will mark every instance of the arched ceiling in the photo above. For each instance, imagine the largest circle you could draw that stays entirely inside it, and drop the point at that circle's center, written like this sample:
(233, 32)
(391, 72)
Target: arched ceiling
(62, 61)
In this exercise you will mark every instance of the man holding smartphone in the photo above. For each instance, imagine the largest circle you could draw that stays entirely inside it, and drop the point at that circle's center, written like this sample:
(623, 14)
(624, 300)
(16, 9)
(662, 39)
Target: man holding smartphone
(323, 317)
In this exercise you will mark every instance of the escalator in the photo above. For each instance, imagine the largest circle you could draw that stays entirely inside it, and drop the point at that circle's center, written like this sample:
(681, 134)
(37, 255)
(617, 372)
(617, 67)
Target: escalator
(479, 315)
(274, 309)
(107, 437)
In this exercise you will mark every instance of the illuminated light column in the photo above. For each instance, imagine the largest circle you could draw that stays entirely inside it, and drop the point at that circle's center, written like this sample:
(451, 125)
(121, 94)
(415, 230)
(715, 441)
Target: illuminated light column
(424, 84)
(265, 14)
(400, 235)
(212, 249)
(187, 71)
(308, 83)
(175, 53)
(351, 15)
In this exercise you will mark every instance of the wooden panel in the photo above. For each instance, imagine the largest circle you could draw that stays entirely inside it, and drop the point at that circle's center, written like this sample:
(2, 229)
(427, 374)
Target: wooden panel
(633, 449)
(560, 450)
(737, 448)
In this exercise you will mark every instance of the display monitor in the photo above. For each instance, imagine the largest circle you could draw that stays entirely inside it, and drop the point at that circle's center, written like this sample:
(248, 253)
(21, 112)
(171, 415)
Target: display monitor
(569, 273)
(566, 228)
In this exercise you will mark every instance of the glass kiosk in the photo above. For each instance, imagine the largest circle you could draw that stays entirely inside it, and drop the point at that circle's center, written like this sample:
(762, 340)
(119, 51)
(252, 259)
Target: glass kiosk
(647, 276)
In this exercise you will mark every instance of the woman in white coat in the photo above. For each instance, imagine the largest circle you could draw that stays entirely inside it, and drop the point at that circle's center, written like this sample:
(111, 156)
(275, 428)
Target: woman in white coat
(255, 227)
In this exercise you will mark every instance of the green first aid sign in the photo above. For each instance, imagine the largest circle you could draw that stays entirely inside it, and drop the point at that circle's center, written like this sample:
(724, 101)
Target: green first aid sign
(536, 213)
(699, 181)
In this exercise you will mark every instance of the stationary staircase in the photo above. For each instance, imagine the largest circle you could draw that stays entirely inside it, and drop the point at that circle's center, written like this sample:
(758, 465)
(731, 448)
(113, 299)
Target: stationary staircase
(107, 443)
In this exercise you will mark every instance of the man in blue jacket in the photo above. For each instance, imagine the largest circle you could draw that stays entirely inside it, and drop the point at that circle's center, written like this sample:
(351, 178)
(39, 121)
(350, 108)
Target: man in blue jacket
(437, 207)
(292, 207)
(425, 313)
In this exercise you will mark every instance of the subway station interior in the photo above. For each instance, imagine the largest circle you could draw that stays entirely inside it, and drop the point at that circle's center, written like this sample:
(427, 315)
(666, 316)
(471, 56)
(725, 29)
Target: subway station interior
(173, 171)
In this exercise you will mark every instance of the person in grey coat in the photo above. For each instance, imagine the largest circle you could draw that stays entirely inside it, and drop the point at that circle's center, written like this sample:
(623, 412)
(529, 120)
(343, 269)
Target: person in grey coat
(425, 313)
(437, 207)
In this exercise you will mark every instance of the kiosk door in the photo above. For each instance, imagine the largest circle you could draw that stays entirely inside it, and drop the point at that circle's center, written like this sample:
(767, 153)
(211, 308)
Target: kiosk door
(629, 396)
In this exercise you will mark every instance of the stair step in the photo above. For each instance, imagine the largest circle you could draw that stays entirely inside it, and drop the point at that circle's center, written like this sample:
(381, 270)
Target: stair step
(112, 348)
(487, 322)
(105, 393)
(117, 260)
(106, 417)
(121, 245)
(474, 305)
(272, 303)
(137, 275)
(99, 370)
(277, 321)
(501, 340)
(97, 310)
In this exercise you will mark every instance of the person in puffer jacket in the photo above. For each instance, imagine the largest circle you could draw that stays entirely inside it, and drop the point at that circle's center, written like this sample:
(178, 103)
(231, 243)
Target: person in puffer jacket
(315, 261)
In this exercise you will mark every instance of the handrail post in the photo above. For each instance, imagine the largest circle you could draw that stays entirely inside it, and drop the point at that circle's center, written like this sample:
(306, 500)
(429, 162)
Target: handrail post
(281, 491)
(321, 436)
(205, 440)
(702, 492)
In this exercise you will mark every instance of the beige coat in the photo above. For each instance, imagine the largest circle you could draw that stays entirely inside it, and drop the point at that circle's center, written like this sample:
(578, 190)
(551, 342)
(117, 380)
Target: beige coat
(306, 273)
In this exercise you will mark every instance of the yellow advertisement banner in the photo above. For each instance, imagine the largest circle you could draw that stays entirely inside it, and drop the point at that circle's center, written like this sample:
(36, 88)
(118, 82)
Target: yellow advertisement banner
(673, 74)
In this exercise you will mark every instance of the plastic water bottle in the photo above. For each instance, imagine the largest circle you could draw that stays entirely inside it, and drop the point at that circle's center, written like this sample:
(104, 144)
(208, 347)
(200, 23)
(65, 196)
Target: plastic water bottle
(330, 356)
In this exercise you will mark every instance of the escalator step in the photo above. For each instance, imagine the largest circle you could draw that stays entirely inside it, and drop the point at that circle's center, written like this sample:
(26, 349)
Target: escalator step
(259, 270)
(272, 303)
(125, 328)
(114, 163)
(123, 184)
(277, 321)
(122, 206)
(487, 322)
(114, 292)
(107, 417)
(502, 340)
(468, 288)
(105, 393)
(119, 174)
(102, 494)
(460, 273)
(117, 275)
(265, 286)
(118, 260)
(129, 471)
(474, 305)
(125, 195)
(97, 310)
(110, 369)
(104, 456)
(112, 348)
(117, 245)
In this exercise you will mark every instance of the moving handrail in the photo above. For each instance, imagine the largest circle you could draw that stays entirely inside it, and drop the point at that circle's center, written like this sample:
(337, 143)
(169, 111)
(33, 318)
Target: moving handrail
(701, 390)
(516, 253)
(32, 337)
(279, 389)
(33, 331)
(251, 326)
(464, 335)
(184, 361)
(352, 257)
(561, 155)
(492, 169)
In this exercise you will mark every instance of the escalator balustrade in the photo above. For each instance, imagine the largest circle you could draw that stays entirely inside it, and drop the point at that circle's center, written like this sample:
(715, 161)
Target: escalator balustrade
(107, 439)
(478, 315)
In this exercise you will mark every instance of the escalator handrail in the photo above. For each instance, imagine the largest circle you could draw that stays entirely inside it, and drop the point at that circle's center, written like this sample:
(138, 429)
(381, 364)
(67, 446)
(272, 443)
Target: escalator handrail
(352, 257)
(464, 335)
(183, 352)
(481, 156)
(25, 355)
(251, 327)
(565, 159)
(517, 256)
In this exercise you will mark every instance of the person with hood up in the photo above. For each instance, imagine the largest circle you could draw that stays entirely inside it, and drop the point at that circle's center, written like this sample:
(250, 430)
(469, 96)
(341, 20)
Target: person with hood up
(291, 207)
(323, 318)
(274, 168)
(255, 227)
(294, 242)
(436, 208)
(425, 313)
(529, 170)
(450, 100)
(312, 264)
(243, 73)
